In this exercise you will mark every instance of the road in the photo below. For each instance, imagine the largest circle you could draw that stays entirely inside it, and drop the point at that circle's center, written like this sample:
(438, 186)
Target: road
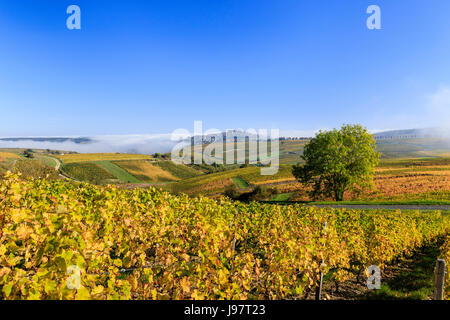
(384, 206)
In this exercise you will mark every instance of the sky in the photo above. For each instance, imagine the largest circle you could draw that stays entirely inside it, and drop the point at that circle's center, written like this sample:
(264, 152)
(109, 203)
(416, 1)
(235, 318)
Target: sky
(150, 67)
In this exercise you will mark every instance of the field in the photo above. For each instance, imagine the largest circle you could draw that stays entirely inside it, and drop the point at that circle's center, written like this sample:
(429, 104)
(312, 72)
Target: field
(148, 244)
(408, 179)
(412, 179)
(214, 183)
(119, 173)
(180, 171)
(396, 148)
(46, 160)
(8, 155)
(81, 157)
(395, 180)
(291, 150)
(34, 169)
(282, 197)
(411, 169)
(88, 171)
(412, 148)
(241, 183)
(145, 171)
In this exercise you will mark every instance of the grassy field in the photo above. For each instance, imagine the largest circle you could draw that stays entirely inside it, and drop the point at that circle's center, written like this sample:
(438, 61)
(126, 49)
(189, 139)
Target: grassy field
(90, 157)
(144, 171)
(241, 183)
(88, 171)
(117, 172)
(282, 197)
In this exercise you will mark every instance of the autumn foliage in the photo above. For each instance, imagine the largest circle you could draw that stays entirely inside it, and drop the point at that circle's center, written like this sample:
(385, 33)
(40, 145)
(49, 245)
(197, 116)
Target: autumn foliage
(148, 244)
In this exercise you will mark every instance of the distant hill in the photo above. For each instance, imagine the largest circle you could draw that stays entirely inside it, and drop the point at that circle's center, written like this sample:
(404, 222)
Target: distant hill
(50, 139)
(413, 133)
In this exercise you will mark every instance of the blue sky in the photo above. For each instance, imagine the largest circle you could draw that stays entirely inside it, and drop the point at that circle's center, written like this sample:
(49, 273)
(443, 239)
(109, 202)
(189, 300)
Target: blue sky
(142, 67)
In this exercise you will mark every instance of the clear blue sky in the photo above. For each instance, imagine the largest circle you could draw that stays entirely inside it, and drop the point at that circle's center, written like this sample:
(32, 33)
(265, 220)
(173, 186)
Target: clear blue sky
(154, 66)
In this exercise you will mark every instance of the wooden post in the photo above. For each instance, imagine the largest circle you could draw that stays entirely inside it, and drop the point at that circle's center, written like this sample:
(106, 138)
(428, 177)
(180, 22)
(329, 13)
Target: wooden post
(319, 287)
(439, 280)
(319, 283)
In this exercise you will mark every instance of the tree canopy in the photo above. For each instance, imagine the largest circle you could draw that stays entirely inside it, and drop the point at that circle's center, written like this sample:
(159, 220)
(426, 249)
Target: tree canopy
(337, 161)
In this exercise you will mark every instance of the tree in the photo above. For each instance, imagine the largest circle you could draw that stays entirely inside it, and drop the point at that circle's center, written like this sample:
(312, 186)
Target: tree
(28, 153)
(337, 161)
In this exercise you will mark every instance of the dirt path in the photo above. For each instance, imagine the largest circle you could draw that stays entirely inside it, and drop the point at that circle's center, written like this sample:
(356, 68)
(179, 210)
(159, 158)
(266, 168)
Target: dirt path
(58, 163)
(13, 164)
(61, 174)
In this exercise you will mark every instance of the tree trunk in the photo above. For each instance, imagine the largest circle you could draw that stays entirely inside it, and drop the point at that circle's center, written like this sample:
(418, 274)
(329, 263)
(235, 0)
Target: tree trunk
(338, 195)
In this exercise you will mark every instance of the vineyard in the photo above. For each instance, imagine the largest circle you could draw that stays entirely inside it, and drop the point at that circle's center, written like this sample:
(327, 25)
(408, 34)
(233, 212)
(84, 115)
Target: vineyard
(144, 171)
(445, 250)
(215, 183)
(148, 244)
(87, 171)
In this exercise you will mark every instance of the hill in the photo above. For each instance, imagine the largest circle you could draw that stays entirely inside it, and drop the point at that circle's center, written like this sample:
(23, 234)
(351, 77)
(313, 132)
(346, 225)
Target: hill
(215, 183)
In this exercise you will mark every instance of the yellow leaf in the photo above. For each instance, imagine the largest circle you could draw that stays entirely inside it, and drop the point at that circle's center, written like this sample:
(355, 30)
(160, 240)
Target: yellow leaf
(185, 285)
(83, 294)
(97, 290)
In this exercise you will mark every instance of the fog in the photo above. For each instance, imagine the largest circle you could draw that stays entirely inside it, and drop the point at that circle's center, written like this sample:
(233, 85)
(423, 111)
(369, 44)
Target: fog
(138, 143)
(438, 107)
(145, 144)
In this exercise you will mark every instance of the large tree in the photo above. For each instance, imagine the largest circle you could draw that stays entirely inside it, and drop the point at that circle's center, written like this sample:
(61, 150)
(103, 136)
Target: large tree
(337, 161)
